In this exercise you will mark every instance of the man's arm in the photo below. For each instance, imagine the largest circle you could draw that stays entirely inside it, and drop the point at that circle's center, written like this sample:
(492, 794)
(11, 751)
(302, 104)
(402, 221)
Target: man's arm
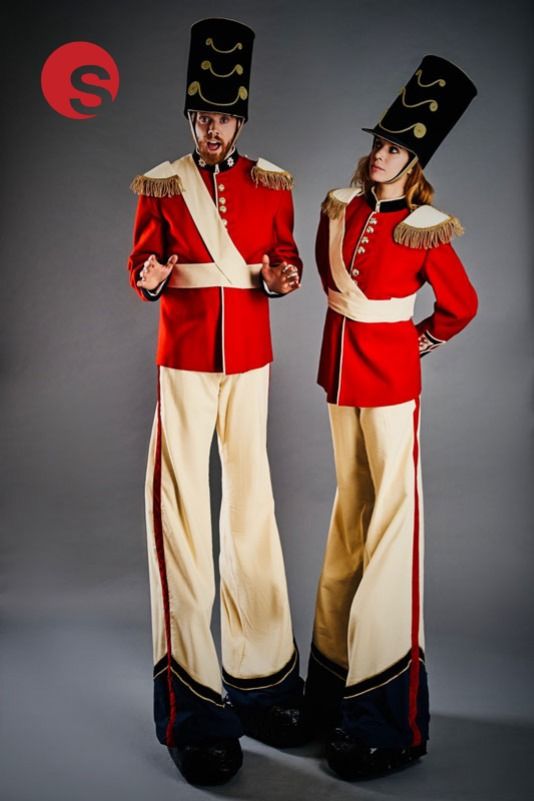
(148, 272)
(282, 267)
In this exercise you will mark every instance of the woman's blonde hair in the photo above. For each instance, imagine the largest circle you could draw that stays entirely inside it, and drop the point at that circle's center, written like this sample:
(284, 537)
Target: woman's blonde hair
(417, 189)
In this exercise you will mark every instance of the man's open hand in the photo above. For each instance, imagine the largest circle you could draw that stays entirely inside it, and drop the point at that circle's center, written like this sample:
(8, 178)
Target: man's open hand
(281, 277)
(153, 273)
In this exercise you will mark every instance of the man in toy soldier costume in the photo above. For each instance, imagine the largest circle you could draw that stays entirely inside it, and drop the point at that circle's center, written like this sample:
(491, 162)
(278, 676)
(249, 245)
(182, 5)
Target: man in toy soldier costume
(378, 242)
(212, 240)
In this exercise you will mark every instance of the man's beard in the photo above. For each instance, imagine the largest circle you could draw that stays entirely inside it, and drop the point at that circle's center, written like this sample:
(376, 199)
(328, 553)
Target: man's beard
(216, 157)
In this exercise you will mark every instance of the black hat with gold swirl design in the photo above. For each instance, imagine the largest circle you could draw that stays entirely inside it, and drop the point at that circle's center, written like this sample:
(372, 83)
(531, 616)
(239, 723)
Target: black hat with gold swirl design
(427, 108)
(218, 73)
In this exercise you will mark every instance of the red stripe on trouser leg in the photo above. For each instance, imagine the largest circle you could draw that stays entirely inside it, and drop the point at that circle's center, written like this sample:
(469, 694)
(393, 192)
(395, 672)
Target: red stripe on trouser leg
(416, 603)
(158, 536)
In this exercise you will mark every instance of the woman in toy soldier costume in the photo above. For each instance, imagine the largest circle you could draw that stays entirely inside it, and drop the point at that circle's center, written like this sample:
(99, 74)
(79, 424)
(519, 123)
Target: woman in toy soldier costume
(213, 238)
(378, 242)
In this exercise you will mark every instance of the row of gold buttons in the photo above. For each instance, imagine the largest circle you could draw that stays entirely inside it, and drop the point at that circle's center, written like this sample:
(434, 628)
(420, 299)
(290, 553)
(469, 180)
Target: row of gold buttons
(222, 203)
(368, 229)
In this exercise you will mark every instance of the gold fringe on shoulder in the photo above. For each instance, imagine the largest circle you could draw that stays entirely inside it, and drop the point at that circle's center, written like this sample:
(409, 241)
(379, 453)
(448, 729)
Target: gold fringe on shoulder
(332, 207)
(157, 187)
(270, 179)
(426, 238)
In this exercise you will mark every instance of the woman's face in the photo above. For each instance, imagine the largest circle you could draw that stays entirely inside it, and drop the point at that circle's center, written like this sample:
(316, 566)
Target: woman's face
(386, 160)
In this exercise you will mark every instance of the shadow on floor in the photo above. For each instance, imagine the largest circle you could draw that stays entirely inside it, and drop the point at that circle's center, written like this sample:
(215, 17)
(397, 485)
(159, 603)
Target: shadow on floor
(467, 761)
(77, 726)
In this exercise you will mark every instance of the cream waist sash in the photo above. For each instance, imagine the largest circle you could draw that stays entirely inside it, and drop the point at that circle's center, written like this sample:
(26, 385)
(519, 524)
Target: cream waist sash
(198, 276)
(356, 306)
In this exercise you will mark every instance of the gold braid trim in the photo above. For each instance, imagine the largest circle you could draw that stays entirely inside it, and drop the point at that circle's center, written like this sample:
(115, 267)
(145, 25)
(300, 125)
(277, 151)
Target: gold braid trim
(270, 179)
(157, 187)
(333, 207)
(426, 238)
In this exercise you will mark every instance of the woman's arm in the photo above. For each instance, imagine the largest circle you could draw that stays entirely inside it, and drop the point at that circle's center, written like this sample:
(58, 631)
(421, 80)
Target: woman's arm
(321, 250)
(456, 300)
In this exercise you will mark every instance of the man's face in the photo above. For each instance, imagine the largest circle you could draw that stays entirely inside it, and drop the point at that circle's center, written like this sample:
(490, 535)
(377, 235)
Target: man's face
(215, 134)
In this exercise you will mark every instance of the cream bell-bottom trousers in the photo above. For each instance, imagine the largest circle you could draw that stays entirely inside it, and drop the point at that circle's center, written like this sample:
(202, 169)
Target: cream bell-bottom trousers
(260, 662)
(366, 669)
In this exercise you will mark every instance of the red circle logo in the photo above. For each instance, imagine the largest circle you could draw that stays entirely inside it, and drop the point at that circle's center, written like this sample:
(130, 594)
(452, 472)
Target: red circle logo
(79, 79)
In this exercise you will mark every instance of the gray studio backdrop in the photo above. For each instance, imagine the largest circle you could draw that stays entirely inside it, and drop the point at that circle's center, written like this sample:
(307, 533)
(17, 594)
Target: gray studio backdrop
(78, 346)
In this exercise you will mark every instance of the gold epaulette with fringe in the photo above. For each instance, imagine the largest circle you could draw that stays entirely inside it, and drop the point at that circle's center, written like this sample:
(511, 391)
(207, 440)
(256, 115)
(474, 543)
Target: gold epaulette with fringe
(161, 181)
(426, 227)
(337, 200)
(269, 175)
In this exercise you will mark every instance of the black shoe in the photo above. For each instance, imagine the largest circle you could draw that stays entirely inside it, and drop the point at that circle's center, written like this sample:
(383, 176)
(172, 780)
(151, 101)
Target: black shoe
(282, 726)
(208, 763)
(321, 720)
(351, 759)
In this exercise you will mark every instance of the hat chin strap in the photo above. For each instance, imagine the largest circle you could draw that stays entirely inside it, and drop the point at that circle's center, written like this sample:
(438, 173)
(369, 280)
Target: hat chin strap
(402, 172)
(240, 126)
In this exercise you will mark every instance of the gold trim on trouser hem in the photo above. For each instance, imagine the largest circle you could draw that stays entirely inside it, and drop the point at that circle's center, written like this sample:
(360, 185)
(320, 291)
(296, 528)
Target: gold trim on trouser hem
(364, 601)
(255, 619)
(262, 685)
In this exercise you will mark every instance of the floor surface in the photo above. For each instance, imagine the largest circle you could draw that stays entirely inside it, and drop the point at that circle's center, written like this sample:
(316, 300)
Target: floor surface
(76, 726)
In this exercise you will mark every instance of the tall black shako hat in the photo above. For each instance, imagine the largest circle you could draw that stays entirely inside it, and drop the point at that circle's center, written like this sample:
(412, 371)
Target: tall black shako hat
(427, 108)
(218, 73)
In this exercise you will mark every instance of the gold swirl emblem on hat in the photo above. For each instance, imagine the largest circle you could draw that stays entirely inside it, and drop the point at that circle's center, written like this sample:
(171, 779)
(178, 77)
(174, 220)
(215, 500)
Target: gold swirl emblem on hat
(210, 43)
(194, 88)
(207, 65)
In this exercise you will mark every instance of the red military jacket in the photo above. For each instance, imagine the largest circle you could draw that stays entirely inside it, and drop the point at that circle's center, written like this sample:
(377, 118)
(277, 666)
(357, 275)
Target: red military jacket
(215, 329)
(378, 363)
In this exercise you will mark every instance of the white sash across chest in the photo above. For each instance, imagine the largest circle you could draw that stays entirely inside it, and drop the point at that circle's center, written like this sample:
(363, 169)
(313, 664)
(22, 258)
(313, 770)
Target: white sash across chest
(349, 300)
(228, 267)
